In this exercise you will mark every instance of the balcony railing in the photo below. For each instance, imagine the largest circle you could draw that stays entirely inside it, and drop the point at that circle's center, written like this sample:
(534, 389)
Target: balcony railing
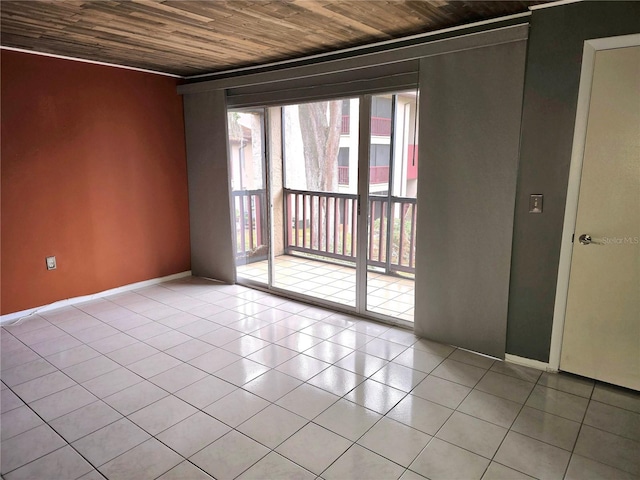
(379, 174)
(324, 224)
(251, 225)
(343, 175)
(380, 126)
(321, 223)
(392, 233)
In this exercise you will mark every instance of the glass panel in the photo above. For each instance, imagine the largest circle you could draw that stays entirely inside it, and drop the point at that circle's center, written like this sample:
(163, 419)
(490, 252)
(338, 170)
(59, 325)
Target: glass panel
(320, 150)
(246, 153)
(393, 176)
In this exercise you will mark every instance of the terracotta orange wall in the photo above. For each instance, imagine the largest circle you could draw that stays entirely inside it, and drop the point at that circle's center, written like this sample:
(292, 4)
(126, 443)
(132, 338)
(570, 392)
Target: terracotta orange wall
(93, 171)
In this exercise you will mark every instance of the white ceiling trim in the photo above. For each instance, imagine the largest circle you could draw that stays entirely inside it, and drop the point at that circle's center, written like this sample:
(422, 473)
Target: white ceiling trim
(93, 62)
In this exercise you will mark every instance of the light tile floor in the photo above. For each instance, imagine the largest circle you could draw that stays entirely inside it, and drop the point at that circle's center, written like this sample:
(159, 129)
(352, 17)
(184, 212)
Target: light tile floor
(390, 295)
(192, 380)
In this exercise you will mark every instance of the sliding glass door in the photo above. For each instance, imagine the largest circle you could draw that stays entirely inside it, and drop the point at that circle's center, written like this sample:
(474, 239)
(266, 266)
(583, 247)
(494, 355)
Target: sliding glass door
(299, 218)
(391, 193)
(249, 194)
(320, 169)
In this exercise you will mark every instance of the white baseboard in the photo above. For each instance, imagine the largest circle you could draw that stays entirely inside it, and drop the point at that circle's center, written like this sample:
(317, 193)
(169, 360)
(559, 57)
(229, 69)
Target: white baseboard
(85, 298)
(528, 362)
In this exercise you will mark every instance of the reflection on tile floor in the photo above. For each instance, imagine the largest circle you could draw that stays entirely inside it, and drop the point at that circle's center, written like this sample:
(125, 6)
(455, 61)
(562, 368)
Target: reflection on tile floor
(193, 379)
(386, 294)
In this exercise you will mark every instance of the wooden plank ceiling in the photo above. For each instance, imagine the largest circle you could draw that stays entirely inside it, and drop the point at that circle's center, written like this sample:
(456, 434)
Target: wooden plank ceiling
(187, 37)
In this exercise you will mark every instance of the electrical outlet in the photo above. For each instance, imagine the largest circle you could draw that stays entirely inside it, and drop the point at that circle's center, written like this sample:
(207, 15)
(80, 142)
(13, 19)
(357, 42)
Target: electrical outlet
(51, 263)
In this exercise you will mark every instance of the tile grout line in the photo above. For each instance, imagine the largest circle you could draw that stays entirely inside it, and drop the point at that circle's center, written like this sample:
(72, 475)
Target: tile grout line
(333, 363)
(328, 407)
(510, 429)
(385, 416)
(54, 430)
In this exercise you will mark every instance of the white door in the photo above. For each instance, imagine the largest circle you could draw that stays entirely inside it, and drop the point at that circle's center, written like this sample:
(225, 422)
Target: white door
(602, 324)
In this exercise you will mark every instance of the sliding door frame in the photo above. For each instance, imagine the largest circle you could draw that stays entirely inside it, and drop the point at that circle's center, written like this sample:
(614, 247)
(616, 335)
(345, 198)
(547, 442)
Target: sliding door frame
(364, 153)
(361, 274)
(266, 180)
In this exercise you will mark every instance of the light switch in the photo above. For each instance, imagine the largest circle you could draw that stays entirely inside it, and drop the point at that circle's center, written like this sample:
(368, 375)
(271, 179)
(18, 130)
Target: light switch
(535, 203)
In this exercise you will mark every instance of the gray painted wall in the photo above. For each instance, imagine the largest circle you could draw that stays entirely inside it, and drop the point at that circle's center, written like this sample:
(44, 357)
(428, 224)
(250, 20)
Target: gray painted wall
(552, 79)
(209, 186)
(470, 108)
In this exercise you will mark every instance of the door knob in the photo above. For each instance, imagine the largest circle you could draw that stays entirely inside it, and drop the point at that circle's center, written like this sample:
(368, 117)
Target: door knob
(585, 239)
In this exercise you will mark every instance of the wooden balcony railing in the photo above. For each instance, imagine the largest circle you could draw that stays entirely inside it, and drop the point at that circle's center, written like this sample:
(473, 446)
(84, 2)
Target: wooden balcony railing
(251, 225)
(392, 233)
(321, 223)
(324, 224)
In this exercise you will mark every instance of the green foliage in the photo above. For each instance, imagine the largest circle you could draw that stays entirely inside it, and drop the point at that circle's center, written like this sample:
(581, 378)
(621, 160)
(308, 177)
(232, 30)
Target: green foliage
(396, 248)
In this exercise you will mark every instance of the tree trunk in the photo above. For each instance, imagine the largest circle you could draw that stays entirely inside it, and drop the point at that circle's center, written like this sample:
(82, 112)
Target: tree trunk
(320, 126)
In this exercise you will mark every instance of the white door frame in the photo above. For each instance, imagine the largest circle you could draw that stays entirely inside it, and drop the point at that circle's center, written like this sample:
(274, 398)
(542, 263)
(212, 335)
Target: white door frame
(364, 142)
(573, 188)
